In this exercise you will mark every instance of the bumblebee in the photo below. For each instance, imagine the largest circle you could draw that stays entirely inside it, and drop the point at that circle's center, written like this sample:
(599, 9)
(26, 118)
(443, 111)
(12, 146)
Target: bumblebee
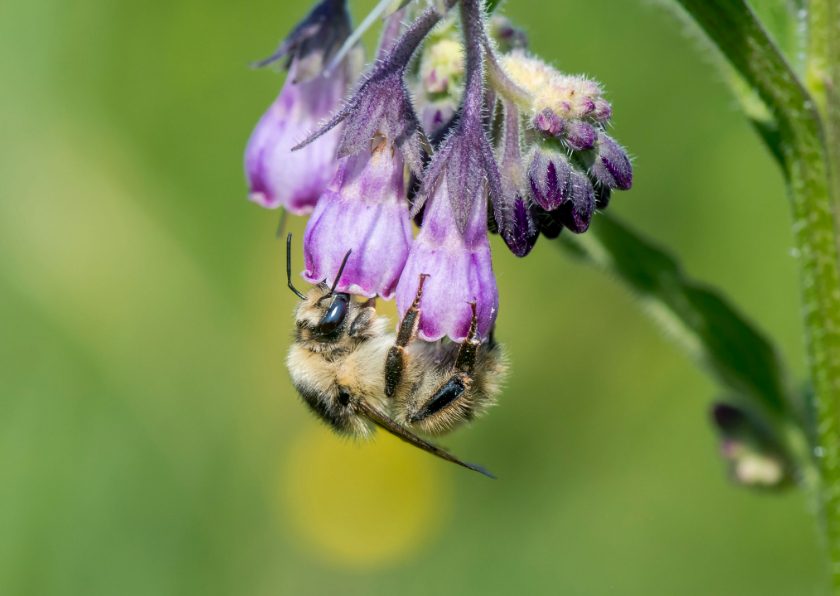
(355, 376)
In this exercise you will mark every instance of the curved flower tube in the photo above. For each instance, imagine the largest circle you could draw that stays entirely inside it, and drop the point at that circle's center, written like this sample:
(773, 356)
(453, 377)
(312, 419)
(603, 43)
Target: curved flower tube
(459, 267)
(364, 209)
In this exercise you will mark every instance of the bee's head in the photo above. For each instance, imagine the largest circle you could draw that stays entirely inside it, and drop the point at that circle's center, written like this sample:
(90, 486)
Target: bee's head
(322, 319)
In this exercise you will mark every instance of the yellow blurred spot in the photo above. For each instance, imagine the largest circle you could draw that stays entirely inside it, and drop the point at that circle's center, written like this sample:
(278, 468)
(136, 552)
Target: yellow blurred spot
(362, 504)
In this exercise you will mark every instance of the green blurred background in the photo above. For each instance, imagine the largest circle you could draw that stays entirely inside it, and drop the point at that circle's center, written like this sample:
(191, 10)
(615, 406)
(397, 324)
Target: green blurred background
(150, 440)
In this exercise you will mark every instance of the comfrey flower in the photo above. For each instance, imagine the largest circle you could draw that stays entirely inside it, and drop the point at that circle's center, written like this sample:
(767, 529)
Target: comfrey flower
(363, 210)
(503, 144)
(278, 177)
(459, 269)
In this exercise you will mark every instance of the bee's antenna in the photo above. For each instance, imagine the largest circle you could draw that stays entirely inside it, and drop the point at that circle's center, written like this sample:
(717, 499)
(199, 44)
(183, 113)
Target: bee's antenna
(281, 226)
(340, 271)
(289, 266)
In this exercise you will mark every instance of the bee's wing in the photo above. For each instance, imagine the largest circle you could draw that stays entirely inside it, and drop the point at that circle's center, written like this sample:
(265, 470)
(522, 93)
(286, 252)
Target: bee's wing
(400, 432)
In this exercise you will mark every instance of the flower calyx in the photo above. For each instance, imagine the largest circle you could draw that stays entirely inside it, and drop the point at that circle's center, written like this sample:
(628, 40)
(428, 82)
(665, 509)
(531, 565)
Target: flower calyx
(315, 40)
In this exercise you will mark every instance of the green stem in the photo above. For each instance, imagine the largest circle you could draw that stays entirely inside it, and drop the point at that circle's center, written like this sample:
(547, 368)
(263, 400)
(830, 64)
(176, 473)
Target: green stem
(822, 77)
(806, 159)
(734, 28)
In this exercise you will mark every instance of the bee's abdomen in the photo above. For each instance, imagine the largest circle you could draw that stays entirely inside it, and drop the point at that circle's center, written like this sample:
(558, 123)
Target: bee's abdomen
(339, 416)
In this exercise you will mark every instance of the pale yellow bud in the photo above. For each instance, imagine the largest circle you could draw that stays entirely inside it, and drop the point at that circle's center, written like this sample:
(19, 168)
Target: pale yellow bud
(442, 67)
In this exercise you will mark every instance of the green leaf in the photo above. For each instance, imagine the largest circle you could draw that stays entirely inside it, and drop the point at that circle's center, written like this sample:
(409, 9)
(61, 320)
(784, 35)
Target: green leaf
(700, 319)
(735, 30)
(758, 114)
(783, 21)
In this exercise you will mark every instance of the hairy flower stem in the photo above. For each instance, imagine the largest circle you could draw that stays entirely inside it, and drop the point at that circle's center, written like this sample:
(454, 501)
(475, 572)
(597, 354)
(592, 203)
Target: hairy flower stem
(500, 81)
(466, 156)
(512, 151)
(473, 23)
(405, 47)
(391, 33)
(383, 97)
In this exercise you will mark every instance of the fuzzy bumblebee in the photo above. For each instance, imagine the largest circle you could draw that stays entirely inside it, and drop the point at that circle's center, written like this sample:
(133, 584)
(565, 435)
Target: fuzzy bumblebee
(355, 376)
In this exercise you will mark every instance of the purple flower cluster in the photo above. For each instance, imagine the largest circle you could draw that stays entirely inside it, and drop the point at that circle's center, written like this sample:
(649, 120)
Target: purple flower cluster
(516, 148)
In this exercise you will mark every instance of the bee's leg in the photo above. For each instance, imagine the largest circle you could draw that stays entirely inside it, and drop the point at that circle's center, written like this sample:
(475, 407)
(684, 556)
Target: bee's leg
(461, 377)
(395, 361)
(465, 362)
(361, 324)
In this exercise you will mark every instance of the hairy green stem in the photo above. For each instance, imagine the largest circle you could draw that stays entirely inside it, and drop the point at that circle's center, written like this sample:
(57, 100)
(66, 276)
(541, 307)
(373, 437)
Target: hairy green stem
(734, 28)
(822, 77)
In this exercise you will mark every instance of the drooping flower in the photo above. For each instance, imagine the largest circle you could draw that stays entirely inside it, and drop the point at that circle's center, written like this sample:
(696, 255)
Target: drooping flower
(278, 177)
(452, 248)
(364, 209)
(520, 227)
(459, 267)
(556, 120)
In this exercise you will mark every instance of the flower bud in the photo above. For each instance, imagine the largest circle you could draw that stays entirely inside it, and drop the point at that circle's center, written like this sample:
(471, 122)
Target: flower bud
(603, 111)
(506, 35)
(518, 223)
(549, 123)
(434, 115)
(523, 230)
(612, 167)
(550, 224)
(442, 68)
(572, 97)
(755, 458)
(550, 177)
(602, 196)
(580, 135)
(577, 211)
(365, 210)
(528, 72)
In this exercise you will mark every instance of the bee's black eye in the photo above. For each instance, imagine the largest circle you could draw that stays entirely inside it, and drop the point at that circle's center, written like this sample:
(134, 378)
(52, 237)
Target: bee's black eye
(335, 314)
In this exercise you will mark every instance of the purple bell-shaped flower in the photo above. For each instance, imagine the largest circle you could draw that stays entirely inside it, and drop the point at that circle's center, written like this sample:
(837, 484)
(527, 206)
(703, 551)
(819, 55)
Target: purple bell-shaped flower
(364, 209)
(278, 177)
(459, 268)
